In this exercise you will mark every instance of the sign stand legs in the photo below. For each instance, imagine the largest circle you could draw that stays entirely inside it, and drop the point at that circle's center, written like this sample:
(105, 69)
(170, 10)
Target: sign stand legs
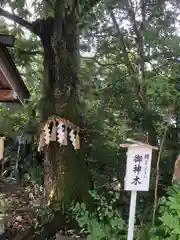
(132, 215)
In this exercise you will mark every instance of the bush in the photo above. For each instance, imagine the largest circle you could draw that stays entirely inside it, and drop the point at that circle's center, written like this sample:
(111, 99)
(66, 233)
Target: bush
(168, 224)
(104, 222)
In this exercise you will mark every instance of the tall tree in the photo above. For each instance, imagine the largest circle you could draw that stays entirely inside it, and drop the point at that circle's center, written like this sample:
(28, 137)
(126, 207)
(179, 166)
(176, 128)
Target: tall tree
(59, 33)
(137, 40)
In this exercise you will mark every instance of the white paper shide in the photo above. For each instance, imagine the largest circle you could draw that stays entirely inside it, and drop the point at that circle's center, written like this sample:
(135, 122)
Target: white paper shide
(138, 168)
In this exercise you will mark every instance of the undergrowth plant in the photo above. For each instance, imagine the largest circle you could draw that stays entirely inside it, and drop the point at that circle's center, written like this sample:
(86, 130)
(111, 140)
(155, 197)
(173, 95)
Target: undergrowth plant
(168, 224)
(104, 222)
(170, 213)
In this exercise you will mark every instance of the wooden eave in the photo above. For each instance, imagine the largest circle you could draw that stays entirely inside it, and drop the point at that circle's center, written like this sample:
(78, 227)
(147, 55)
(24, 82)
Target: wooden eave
(12, 87)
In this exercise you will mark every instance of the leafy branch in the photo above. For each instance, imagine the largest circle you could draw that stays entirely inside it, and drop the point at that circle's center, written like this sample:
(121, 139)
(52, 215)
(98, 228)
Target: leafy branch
(88, 6)
(139, 39)
(132, 71)
(30, 52)
(17, 19)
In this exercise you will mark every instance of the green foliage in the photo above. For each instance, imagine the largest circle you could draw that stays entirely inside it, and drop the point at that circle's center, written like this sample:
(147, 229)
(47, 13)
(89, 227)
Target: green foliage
(170, 212)
(3, 205)
(14, 119)
(104, 222)
(45, 215)
(168, 224)
(118, 101)
(36, 175)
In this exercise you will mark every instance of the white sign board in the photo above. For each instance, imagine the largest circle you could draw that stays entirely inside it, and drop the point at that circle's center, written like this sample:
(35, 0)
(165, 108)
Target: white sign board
(138, 168)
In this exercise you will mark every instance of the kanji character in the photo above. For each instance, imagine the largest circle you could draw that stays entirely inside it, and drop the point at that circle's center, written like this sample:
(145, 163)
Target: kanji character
(146, 156)
(137, 158)
(137, 169)
(146, 162)
(136, 181)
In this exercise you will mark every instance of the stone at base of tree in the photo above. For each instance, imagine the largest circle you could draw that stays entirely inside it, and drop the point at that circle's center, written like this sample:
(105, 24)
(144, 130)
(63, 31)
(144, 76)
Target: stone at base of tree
(176, 174)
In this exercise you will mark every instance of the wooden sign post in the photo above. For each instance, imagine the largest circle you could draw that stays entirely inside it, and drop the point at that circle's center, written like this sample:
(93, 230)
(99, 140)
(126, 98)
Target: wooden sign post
(138, 168)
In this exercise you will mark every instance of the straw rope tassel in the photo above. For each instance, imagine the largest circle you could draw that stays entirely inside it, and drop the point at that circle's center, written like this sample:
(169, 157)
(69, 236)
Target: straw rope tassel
(77, 139)
(1, 147)
(65, 140)
(41, 142)
(60, 133)
(47, 135)
(53, 132)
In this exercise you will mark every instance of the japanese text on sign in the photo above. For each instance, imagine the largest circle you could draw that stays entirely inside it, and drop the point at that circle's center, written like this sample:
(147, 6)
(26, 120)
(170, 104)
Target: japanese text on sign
(138, 168)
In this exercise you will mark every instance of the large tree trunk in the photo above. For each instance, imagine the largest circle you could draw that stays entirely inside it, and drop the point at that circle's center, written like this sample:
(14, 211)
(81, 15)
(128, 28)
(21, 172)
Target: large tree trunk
(65, 170)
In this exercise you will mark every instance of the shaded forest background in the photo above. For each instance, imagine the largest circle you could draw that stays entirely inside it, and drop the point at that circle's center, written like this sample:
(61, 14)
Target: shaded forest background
(129, 83)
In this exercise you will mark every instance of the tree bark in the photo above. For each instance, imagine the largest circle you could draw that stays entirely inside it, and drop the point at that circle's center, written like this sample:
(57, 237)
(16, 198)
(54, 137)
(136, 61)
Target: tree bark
(65, 170)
